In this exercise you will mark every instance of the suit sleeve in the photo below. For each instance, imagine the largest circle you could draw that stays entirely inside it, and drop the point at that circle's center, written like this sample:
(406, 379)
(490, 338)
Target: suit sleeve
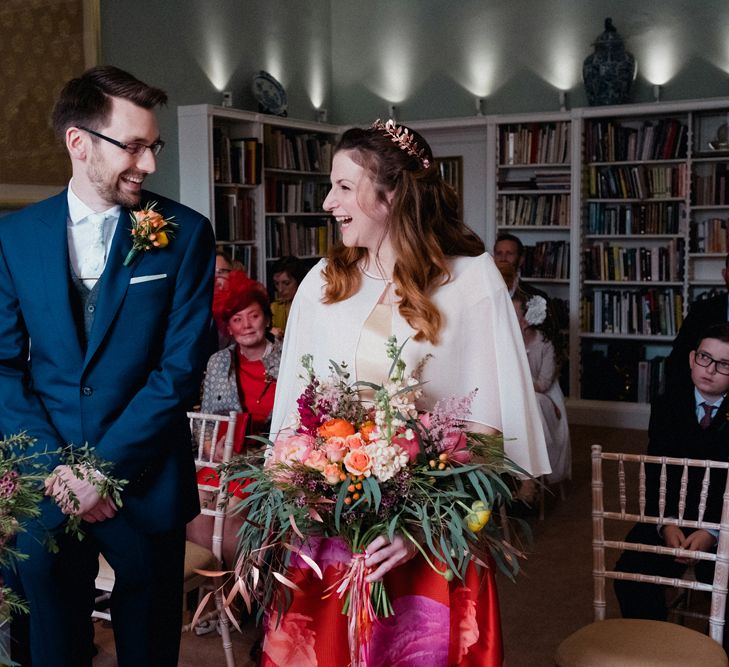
(134, 442)
(22, 410)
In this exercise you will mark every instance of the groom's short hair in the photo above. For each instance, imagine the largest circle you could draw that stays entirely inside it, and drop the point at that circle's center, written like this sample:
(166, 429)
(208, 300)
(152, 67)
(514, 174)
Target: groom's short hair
(86, 101)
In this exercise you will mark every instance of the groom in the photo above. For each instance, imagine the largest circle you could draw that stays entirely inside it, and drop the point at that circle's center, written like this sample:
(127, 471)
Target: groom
(92, 351)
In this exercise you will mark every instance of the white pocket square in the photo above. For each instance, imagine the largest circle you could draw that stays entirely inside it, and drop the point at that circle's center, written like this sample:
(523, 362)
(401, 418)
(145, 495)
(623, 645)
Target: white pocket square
(146, 279)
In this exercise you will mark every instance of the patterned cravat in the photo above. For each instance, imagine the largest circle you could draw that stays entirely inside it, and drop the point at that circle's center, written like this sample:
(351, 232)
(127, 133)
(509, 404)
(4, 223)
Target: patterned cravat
(705, 421)
(92, 264)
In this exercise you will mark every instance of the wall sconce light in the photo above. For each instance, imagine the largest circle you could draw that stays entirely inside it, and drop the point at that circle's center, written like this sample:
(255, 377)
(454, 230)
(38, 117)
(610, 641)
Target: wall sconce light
(656, 93)
(480, 106)
(392, 112)
(227, 98)
(563, 100)
(321, 116)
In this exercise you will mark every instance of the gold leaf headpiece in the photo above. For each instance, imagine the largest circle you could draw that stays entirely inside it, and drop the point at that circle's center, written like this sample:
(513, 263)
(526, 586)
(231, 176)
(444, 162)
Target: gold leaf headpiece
(402, 137)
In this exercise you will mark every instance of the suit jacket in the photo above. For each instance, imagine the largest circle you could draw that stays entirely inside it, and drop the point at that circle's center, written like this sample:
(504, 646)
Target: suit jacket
(126, 393)
(703, 314)
(674, 431)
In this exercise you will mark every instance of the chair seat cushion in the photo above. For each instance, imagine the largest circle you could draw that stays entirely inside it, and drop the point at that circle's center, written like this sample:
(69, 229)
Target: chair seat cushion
(198, 558)
(627, 642)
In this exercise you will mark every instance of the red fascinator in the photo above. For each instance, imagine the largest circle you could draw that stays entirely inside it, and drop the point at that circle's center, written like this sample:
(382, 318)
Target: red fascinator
(239, 292)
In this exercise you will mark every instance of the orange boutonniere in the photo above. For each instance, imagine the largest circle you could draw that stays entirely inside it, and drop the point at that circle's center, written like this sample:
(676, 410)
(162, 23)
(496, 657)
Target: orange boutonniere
(149, 230)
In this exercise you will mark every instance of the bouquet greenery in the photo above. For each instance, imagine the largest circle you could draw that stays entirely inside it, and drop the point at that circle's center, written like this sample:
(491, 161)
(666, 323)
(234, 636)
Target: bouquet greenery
(22, 477)
(363, 462)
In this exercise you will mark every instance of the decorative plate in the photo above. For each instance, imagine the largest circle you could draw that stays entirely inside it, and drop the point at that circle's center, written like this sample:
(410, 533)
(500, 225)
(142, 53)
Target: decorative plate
(269, 93)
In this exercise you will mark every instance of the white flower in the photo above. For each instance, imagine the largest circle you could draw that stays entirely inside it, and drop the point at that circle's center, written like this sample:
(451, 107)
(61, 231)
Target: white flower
(387, 459)
(536, 310)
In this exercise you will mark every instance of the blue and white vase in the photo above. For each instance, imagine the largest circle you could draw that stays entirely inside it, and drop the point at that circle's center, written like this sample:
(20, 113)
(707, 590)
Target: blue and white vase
(609, 72)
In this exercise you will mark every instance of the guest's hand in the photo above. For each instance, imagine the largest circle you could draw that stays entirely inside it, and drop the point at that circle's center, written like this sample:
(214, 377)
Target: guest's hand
(673, 537)
(103, 510)
(387, 555)
(72, 495)
(700, 540)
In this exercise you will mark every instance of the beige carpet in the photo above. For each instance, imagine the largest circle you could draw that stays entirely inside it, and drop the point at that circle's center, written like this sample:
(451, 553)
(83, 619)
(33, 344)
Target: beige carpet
(548, 601)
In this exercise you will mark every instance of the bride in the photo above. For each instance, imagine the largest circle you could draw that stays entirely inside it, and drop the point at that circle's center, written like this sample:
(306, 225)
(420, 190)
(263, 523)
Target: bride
(408, 266)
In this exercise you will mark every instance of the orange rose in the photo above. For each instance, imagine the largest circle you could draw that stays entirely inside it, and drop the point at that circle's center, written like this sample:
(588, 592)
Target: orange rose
(161, 241)
(331, 473)
(366, 429)
(336, 427)
(358, 462)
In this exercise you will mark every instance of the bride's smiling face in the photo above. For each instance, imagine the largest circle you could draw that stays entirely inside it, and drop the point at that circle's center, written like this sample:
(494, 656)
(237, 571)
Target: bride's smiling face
(352, 200)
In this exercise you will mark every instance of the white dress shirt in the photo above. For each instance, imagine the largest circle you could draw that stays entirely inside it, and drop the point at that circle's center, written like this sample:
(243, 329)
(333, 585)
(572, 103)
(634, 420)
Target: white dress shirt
(89, 243)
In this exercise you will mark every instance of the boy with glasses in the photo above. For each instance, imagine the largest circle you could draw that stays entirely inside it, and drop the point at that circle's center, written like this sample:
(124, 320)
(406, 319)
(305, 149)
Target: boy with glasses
(687, 422)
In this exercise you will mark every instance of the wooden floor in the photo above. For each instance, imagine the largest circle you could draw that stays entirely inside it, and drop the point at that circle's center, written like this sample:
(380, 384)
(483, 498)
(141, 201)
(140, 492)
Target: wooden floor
(549, 600)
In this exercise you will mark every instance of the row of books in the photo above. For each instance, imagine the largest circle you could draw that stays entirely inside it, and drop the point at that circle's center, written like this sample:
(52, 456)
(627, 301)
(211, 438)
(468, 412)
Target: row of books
(710, 186)
(308, 237)
(534, 143)
(637, 182)
(299, 151)
(647, 312)
(620, 372)
(542, 179)
(644, 218)
(604, 261)
(299, 196)
(547, 259)
(236, 160)
(245, 255)
(611, 141)
(235, 217)
(710, 236)
(531, 210)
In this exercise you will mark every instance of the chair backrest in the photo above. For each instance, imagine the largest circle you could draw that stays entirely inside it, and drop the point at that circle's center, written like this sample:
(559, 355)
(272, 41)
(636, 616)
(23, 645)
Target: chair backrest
(630, 476)
(208, 442)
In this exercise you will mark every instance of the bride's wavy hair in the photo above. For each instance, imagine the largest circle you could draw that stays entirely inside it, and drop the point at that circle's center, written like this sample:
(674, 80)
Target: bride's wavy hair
(423, 224)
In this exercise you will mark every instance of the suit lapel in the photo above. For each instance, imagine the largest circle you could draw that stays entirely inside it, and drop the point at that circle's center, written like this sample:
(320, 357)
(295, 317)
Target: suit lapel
(53, 246)
(114, 284)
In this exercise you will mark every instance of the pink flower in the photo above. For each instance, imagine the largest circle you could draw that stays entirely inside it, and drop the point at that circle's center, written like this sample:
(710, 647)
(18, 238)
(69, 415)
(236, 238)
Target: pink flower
(335, 448)
(317, 459)
(331, 473)
(409, 443)
(293, 448)
(354, 441)
(358, 462)
(455, 444)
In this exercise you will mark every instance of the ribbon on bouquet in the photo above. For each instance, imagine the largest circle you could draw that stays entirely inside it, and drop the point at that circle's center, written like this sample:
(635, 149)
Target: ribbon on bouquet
(360, 612)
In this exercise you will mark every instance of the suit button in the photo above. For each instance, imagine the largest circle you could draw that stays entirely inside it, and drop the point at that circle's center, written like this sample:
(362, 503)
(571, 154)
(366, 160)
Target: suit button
(87, 391)
(91, 308)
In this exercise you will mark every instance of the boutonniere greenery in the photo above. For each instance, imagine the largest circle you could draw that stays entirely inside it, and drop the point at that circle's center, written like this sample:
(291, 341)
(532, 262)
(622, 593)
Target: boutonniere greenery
(149, 230)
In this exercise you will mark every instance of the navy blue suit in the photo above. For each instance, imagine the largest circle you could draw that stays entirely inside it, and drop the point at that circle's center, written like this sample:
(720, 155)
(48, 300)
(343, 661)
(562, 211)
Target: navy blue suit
(125, 393)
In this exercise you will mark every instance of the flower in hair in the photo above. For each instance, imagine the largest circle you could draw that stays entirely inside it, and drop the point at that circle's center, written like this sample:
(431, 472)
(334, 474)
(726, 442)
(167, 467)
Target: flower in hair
(402, 137)
(536, 311)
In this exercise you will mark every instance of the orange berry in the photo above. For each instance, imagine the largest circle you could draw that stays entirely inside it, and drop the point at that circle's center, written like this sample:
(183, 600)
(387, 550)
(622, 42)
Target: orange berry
(347, 501)
(350, 488)
(443, 457)
(359, 486)
(355, 496)
(342, 476)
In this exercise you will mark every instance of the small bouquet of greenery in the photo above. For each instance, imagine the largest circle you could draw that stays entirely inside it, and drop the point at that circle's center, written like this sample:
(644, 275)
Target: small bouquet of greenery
(22, 477)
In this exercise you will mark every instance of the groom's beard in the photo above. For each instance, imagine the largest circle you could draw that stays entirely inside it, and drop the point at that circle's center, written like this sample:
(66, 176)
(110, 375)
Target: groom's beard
(107, 185)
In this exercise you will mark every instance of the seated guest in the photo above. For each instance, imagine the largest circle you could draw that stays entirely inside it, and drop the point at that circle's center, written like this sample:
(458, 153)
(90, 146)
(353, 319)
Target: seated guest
(288, 272)
(544, 363)
(686, 422)
(240, 378)
(702, 314)
(223, 267)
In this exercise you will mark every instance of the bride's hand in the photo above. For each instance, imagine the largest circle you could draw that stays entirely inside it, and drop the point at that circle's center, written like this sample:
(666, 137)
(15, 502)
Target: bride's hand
(387, 555)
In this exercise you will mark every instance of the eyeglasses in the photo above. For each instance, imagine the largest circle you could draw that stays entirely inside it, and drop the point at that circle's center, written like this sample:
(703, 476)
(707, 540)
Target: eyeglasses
(133, 148)
(705, 360)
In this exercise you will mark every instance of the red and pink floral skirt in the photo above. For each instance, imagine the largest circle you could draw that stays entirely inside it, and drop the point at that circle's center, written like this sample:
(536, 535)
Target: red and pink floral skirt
(436, 623)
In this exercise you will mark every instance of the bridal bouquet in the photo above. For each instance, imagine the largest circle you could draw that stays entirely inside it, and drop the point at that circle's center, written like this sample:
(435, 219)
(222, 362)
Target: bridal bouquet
(363, 462)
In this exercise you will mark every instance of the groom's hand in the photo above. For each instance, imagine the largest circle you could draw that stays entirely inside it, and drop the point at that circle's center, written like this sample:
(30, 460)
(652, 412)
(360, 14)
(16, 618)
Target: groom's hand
(103, 510)
(73, 494)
